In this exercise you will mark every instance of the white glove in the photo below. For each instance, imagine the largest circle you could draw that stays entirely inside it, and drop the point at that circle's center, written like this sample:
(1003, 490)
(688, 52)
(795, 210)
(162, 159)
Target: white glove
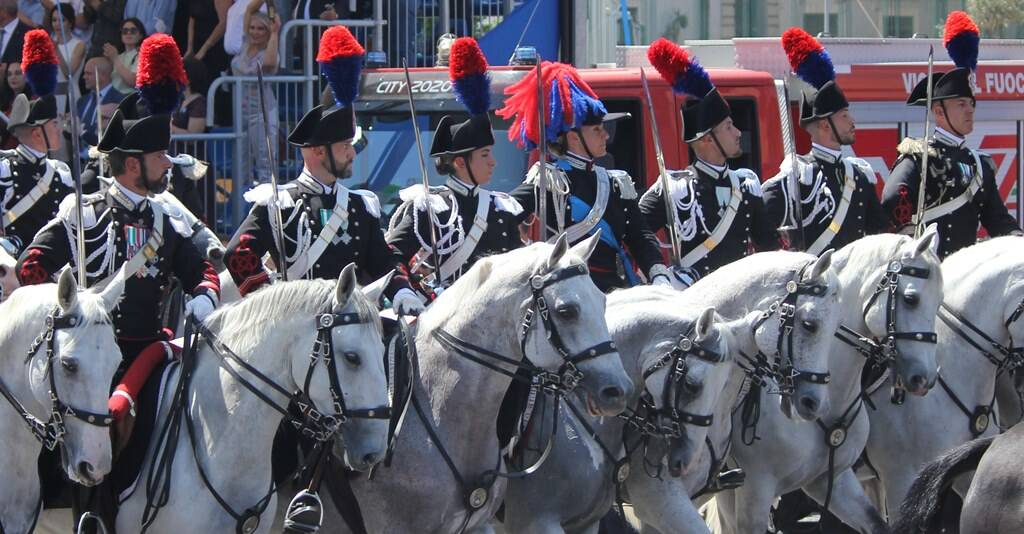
(661, 280)
(407, 302)
(200, 307)
(683, 277)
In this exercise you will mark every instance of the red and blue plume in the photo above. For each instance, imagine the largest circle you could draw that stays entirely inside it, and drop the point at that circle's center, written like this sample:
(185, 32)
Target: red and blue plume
(39, 62)
(341, 61)
(467, 68)
(681, 71)
(809, 60)
(570, 102)
(961, 39)
(161, 78)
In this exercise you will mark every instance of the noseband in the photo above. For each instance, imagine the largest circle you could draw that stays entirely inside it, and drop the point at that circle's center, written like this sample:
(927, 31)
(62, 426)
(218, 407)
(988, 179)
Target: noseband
(51, 433)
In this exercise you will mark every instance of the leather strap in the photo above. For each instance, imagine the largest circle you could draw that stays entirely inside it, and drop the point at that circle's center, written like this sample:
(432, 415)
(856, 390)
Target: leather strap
(721, 229)
(337, 221)
(39, 191)
(829, 233)
(458, 258)
(582, 228)
(946, 208)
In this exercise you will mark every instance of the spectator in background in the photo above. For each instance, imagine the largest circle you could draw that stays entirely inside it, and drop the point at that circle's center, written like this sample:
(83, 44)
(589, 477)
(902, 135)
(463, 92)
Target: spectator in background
(31, 12)
(158, 14)
(206, 24)
(125, 60)
(12, 33)
(234, 30)
(72, 52)
(190, 117)
(105, 17)
(13, 85)
(98, 72)
(259, 46)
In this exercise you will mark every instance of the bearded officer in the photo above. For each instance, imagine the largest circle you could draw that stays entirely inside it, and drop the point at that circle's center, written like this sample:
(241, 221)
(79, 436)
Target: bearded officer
(961, 188)
(127, 226)
(719, 211)
(326, 225)
(469, 221)
(32, 185)
(838, 199)
(583, 197)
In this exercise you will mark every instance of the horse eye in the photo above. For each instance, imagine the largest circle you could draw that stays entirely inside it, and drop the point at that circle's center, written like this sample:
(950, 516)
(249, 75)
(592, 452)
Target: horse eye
(568, 311)
(911, 299)
(810, 326)
(70, 365)
(352, 358)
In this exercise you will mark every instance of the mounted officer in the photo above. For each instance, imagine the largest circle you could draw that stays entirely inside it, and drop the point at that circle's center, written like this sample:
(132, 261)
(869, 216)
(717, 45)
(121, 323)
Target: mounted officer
(719, 212)
(468, 221)
(838, 199)
(128, 225)
(582, 197)
(325, 225)
(961, 188)
(32, 185)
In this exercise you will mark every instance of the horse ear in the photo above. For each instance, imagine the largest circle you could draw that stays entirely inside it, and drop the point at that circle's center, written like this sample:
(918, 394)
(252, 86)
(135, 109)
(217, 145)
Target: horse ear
(347, 283)
(67, 291)
(821, 265)
(705, 323)
(374, 290)
(928, 241)
(561, 247)
(585, 248)
(111, 295)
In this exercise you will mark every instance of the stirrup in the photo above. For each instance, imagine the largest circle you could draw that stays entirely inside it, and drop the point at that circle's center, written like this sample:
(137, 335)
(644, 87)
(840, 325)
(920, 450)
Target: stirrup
(731, 479)
(89, 515)
(305, 513)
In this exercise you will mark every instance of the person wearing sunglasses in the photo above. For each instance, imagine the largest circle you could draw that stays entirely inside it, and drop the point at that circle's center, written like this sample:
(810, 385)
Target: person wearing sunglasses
(125, 58)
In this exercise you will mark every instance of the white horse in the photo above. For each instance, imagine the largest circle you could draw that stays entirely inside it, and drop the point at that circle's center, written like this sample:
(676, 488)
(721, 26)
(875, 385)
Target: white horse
(680, 356)
(534, 308)
(315, 336)
(979, 331)
(75, 368)
(758, 285)
(891, 290)
(8, 278)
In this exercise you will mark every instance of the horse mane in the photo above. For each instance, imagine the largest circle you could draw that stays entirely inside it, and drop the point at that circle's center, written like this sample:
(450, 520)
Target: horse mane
(297, 298)
(873, 250)
(773, 269)
(1001, 256)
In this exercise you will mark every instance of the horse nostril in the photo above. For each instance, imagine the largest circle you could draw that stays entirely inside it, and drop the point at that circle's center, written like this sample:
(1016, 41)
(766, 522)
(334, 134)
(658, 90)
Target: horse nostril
(370, 458)
(810, 404)
(85, 469)
(612, 393)
(918, 382)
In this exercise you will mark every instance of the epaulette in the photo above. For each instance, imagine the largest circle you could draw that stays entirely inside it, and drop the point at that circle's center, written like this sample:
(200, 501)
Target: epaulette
(678, 184)
(556, 177)
(749, 181)
(63, 171)
(505, 202)
(68, 209)
(622, 179)
(914, 147)
(370, 200)
(181, 219)
(262, 194)
(414, 194)
(866, 168)
(5, 168)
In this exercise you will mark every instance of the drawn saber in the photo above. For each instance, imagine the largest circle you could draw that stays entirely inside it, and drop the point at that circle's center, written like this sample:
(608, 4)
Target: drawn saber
(792, 180)
(670, 210)
(423, 169)
(919, 227)
(76, 167)
(542, 153)
(282, 269)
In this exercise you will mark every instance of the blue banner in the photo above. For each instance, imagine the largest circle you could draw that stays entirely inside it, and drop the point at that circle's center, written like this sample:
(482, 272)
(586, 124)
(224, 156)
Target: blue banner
(541, 32)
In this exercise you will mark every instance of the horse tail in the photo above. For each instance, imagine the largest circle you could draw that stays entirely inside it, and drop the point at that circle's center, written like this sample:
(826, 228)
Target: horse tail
(921, 506)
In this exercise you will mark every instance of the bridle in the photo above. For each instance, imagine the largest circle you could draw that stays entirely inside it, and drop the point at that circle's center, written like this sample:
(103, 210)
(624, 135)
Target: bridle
(568, 375)
(477, 492)
(783, 369)
(312, 422)
(884, 352)
(651, 420)
(51, 432)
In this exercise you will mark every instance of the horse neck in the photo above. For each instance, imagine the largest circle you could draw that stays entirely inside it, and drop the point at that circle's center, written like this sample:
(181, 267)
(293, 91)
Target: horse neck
(971, 375)
(234, 427)
(844, 363)
(449, 380)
